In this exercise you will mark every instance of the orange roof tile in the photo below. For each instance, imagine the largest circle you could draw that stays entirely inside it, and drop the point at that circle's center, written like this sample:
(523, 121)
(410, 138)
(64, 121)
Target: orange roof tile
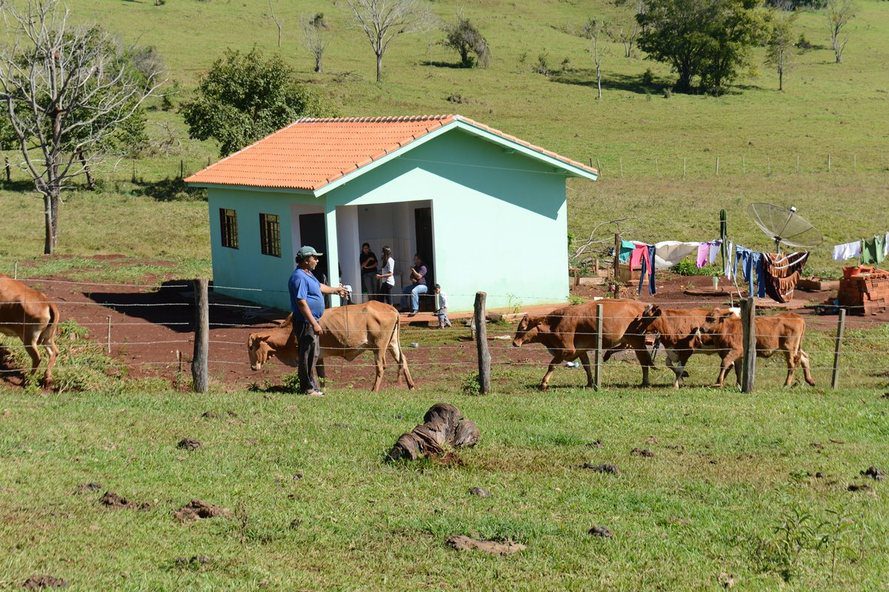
(313, 152)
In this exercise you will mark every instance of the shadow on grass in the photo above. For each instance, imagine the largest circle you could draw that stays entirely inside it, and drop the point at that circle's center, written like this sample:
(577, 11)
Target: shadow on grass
(439, 64)
(168, 189)
(625, 82)
(17, 186)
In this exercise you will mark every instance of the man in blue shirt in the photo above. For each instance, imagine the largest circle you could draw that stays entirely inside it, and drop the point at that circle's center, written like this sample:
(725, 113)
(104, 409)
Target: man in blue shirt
(307, 304)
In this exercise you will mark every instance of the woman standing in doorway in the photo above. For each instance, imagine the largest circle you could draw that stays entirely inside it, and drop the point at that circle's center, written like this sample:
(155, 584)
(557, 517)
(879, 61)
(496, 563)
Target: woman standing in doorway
(386, 276)
(368, 261)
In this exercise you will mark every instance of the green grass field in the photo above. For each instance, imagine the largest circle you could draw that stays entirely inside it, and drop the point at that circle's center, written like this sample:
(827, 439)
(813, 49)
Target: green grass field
(732, 488)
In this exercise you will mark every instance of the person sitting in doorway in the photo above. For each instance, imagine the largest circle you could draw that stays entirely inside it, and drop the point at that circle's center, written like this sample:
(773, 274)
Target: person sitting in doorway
(418, 284)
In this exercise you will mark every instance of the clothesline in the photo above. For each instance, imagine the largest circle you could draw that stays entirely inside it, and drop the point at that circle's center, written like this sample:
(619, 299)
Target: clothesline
(867, 251)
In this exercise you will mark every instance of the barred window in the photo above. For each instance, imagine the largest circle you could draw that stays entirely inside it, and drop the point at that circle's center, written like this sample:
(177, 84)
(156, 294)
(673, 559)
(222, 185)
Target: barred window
(228, 226)
(270, 234)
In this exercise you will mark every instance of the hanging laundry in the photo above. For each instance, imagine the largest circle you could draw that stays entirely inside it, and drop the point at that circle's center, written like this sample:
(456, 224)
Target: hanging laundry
(640, 252)
(669, 253)
(703, 253)
(651, 253)
(729, 264)
(847, 251)
(751, 264)
(781, 274)
(886, 245)
(715, 248)
(872, 249)
(626, 247)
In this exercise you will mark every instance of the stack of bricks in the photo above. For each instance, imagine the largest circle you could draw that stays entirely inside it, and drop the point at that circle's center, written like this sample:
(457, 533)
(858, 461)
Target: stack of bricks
(865, 293)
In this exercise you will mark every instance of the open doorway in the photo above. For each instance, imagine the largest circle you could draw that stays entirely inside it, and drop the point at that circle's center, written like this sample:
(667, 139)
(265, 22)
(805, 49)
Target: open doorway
(312, 232)
(425, 242)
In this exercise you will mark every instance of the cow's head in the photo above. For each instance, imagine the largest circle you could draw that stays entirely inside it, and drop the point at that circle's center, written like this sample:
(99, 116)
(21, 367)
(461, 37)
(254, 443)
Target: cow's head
(714, 324)
(259, 350)
(527, 331)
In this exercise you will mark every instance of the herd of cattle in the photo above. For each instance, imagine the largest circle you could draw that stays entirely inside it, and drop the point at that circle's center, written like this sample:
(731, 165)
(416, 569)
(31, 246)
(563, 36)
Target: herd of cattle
(568, 333)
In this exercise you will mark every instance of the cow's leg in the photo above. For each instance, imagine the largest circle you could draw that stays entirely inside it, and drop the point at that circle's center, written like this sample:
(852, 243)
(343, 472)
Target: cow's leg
(557, 359)
(644, 357)
(727, 360)
(30, 342)
(52, 354)
(803, 360)
(585, 360)
(790, 358)
(380, 365)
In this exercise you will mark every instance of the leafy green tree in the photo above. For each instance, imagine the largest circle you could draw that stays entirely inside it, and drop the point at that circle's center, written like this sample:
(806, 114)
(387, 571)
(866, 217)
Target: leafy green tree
(466, 39)
(780, 49)
(703, 40)
(245, 97)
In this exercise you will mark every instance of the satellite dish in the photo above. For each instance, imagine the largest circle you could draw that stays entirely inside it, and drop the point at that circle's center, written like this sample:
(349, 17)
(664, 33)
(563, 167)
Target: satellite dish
(784, 226)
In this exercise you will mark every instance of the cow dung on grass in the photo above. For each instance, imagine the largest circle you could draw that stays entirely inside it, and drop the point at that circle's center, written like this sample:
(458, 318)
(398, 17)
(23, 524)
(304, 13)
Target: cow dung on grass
(197, 509)
(464, 543)
(444, 427)
(41, 582)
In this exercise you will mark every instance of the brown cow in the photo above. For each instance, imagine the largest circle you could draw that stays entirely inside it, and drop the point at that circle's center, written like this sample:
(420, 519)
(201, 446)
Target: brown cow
(723, 332)
(570, 333)
(29, 315)
(676, 329)
(348, 332)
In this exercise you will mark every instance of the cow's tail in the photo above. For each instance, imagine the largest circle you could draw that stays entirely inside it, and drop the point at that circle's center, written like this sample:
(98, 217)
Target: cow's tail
(395, 342)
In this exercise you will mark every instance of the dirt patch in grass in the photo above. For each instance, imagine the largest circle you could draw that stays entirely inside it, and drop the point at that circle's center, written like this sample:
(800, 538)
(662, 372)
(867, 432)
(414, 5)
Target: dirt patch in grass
(43, 582)
(188, 444)
(464, 543)
(606, 468)
(90, 487)
(116, 502)
(198, 509)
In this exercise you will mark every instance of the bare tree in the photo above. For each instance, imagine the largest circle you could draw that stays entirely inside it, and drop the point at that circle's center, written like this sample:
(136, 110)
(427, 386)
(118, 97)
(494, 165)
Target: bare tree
(780, 49)
(65, 90)
(596, 30)
(278, 23)
(627, 29)
(839, 13)
(314, 38)
(384, 20)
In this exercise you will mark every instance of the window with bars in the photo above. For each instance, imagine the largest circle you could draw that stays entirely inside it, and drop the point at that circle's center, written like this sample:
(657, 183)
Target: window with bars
(270, 234)
(228, 226)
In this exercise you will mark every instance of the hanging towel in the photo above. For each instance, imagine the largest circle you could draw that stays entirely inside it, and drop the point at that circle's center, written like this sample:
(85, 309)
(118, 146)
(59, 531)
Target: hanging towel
(886, 245)
(715, 247)
(669, 253)
(847, 251)
(781, 274)
(872, 249)
(651, 252)
(752, 265)
(703, 254)
(626, 247)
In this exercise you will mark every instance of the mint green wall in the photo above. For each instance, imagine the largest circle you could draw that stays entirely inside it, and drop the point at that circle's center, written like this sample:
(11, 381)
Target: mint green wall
(499, 218)
(246, 266)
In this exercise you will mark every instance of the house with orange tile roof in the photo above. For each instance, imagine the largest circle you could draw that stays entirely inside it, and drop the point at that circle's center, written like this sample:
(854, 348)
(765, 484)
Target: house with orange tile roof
(485, 210)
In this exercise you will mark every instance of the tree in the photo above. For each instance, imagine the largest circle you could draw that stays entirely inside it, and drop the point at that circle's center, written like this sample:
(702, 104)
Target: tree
(279, 24)
(384, 20)
(704, 40)
(65, 90)
(780, 49)
(245, 97)
(595, 30)
(314, 38)
(626, 29)
(839, 13)
(466, 39)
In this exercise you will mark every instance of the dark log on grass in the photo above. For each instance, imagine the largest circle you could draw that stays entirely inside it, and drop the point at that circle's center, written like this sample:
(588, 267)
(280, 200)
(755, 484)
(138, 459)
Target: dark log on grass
(443, 428)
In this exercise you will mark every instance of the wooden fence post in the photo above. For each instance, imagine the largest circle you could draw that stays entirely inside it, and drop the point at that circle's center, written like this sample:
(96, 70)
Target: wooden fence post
(181, 168)
(717, 166)
(828, 162)
(481, 344)
(597, 369)
(841, 326)
(199, 361)
(616, 263)
(748, 322)
(684, 166)
(15, 270)
(8, 170)
(108, 346)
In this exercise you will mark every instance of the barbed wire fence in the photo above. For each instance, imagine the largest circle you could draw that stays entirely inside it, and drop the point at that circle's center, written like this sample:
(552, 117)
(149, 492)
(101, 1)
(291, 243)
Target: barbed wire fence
(201, 343)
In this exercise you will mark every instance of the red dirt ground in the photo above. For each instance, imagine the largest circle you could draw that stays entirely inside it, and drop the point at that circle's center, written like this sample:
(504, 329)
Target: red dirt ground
(149, 326)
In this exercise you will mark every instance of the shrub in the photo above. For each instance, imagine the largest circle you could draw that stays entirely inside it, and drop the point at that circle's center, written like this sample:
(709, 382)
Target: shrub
(542, 65)
(466, 39)
(648, 77)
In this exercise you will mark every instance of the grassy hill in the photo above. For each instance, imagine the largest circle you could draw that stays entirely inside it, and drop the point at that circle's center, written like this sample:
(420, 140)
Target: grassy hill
(657, 151)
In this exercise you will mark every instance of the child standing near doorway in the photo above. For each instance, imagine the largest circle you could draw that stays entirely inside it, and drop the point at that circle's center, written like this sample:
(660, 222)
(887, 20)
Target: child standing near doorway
(441, 310)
